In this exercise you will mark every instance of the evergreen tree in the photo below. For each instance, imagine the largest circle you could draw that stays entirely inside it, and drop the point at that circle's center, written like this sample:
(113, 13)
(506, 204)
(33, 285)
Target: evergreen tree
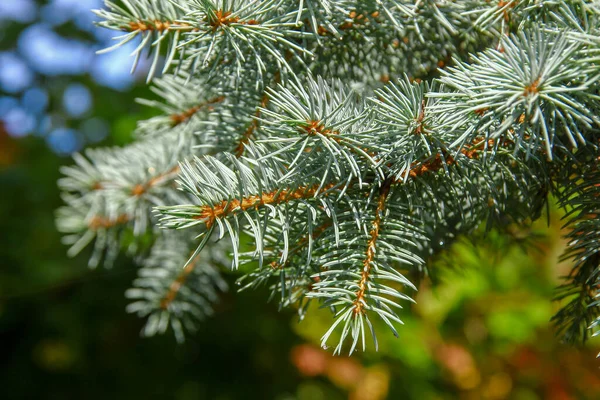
(335, 146)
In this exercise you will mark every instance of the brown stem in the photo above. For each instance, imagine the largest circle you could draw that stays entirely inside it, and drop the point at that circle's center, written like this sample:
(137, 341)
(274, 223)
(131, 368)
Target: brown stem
(209, 214)
(436, 163)
(221, 18)
(176, 285)
(224, 18)
(180, 118)
(142, 188)
(359, 302)
(505, 4)
(249, 132)
(432, 165)
(420, 119)
(157, 26)
(99, 222)
(533, 88)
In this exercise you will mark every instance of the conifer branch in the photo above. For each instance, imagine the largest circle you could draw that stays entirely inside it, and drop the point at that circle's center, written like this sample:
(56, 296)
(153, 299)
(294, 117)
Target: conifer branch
(160, 179)
(254, 124)
(171, 295)
(284, 121)
(98, 222)
(176, 285)
(359, 302)
(579, 317)
(251, 129)
(186, 115)
(157, 26)
(209, 214)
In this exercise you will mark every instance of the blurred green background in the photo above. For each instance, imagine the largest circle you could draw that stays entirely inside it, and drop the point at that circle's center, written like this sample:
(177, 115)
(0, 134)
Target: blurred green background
(482, 332)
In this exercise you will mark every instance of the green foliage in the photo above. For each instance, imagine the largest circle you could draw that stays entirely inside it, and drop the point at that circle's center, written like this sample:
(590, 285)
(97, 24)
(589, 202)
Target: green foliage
(279, 127)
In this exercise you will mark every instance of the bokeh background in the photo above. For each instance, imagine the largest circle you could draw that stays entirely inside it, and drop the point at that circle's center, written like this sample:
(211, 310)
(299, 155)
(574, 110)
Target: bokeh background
(481, 332)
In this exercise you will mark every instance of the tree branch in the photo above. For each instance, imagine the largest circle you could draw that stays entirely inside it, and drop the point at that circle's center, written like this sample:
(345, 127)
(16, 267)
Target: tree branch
(184, 116)
(209, 214)
(359, 302)
(176, 285)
